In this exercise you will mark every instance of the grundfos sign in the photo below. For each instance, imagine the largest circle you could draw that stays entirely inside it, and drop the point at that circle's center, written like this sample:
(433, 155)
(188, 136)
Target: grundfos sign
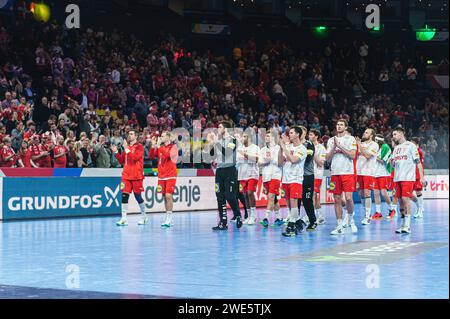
(60, 197)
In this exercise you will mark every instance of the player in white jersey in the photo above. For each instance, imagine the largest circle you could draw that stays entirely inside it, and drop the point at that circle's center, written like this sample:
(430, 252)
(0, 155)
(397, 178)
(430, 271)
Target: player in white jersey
(405, 158)
(293, 155)
(240, 195)
(248, 173)
(341, 150)
(365, 169)
(271, 176)
(382, 179)
(320, 157)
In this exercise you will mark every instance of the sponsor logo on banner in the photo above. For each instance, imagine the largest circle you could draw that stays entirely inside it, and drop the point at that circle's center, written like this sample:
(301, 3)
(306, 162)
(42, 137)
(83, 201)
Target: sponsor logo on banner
(60, 197)
(191, 193)
(436, 186)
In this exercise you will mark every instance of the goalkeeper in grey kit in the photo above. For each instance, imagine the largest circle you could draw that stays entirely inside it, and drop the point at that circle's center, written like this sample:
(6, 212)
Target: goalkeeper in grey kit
(223, 150)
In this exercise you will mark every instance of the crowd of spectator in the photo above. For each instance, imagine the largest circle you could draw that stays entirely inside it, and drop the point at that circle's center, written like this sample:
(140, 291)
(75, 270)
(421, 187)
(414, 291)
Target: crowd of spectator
(77, 92)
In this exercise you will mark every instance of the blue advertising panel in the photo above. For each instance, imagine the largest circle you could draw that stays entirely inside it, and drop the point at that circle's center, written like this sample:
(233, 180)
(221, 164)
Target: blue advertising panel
(43, 197)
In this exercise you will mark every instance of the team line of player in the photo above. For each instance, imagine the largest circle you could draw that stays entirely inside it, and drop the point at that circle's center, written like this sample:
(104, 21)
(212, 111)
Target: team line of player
(291, 165)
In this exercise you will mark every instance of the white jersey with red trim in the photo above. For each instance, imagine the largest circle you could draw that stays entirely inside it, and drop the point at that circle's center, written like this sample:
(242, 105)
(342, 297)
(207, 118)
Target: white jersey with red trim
(366, 166)
(405, 157)
(341, 164)
(321, 154)
(247, 168)
(268, 160)
(293, 172)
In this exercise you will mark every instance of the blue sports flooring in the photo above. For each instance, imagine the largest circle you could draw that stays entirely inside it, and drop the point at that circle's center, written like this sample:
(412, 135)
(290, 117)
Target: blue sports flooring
(93, 258)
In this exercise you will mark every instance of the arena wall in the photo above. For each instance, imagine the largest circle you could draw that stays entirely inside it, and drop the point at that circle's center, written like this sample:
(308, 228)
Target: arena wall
(56, 193)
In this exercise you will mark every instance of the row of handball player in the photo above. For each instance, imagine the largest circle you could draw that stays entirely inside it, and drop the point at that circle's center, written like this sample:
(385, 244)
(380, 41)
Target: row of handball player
(292, 166)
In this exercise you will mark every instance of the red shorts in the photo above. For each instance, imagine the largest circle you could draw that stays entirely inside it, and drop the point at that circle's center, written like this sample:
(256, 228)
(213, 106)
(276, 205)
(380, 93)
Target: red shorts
(382, 182)
(248, 185)
(342, 183)
(365, 182)
(293, 190)
(317, 185)
(135, 186)
(166, 186)
(418, 186)
(272, 187)
(404, 189)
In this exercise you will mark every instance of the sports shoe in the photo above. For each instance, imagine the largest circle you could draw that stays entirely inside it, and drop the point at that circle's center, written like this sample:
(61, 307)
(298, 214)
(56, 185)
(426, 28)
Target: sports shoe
(418, 214)
(366, 221)
(377, 216)
(167, 224)
(391, 215)
(306, 220)
(277, 222)
(143, 221)
(337, 231)
(238, 222)
(406, 230)
(245, 222)
(354, 228)
(220, 226)
(265, 223)
(122, 222)
(345, 222)
(251, 221)
(290, 230)
(233, 219)
(300, 225)
(321, 220)
(311, 227)
(403, 230)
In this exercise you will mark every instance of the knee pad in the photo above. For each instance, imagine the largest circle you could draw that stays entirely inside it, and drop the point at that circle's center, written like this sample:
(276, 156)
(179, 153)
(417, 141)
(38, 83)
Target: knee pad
(125, 197)
(139, 198)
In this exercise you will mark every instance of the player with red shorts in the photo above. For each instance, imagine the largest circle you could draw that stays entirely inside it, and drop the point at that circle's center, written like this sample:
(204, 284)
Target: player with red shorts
(132, 160)
(293, 154)
(271, 177)
(405, 158)
(366, 164)
(167, 154)
(248, 174)
(341, 151)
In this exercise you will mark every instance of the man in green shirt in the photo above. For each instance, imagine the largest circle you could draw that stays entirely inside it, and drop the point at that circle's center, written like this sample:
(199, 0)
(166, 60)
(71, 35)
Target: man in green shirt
(383, 171)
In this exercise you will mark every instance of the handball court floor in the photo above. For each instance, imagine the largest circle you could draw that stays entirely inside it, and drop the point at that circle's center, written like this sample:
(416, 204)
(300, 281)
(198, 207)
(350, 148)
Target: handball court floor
(93, 258)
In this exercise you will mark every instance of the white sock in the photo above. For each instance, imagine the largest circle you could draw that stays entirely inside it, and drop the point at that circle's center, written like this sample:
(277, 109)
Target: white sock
(169, 217)
(294, 214)
(277, 214)
(420, 202)
(319, 213)
(267, 214)
(253, 212)
(350, 218)
(142, 208)
(124, 211)
(407, 221)
(339, 221)
(368, 207)
(378, 208)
